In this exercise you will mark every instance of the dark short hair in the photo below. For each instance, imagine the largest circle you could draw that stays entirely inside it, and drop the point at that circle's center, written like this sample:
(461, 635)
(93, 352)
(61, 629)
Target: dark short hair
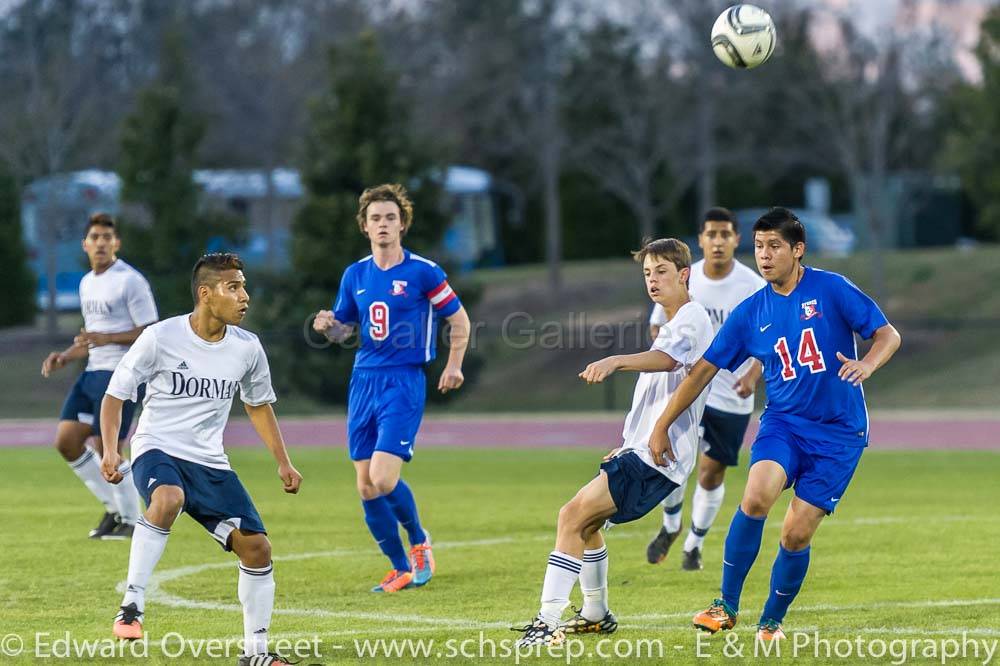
(206, 270)
(719, 214)
(100, 220)
(784, 222)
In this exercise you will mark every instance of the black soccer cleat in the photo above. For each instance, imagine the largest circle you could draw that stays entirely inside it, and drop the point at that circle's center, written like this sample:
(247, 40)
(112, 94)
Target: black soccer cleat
(539, 633)
(121, 532)
(692, 560)
(108, 522)
(269, 659)
(578, 624)
(658, 547)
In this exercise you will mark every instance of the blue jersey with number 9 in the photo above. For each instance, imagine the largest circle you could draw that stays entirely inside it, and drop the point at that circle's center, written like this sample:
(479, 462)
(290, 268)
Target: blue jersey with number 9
(396, 309)
(796, 338)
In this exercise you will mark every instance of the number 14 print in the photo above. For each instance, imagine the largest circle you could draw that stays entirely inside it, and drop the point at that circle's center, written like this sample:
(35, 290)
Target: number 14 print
(808, 356)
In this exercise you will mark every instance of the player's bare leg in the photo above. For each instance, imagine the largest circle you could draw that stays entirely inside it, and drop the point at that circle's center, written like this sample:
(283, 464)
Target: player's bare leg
(764, 485)
(71, 443)
(148, 543)
(705, 504)
(580, 519)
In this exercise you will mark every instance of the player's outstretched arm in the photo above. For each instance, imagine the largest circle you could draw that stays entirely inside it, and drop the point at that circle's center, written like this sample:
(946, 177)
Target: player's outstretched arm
(266, 424)
(885, 342)
(458, 341)
(689, 390)
(111, 423)
(647, 361)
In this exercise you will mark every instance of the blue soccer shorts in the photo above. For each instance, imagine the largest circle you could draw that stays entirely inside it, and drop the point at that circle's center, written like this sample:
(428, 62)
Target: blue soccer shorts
(819, 471)
(83, 402)
(635, 487)
(384, 410)
(214, 497)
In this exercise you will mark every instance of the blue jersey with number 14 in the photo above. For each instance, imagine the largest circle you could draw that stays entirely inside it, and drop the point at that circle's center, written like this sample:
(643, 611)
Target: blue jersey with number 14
(396, 309)
(796, 338)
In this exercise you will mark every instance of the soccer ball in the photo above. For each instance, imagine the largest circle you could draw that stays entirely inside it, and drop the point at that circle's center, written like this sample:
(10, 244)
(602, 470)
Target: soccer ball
(743, 36)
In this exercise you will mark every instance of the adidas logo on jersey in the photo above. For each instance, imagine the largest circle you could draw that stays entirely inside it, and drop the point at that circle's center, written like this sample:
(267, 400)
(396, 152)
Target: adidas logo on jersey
(182, 366)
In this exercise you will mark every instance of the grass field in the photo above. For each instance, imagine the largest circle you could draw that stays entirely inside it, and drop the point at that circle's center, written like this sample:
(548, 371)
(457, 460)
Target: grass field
(910, 554)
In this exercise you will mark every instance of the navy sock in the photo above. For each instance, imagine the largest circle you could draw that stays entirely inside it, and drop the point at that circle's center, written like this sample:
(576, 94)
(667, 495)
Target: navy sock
(383, 526)
(742, 546)
(787, 574)
(404, 507)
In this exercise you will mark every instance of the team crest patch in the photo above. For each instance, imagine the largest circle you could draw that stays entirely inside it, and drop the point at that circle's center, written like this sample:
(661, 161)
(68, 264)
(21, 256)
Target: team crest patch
(398, 288)
(810, 309)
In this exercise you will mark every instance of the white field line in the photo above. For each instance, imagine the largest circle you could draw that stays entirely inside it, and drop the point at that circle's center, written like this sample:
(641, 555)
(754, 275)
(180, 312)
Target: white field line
(154, 591)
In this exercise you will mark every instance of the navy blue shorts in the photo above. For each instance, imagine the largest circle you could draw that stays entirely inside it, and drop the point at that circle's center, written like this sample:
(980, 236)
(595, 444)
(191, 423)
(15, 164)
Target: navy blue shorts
(636, 488)
(384, 410)
(214, 497)
(820, 472)
(83, 403)
(723, 436)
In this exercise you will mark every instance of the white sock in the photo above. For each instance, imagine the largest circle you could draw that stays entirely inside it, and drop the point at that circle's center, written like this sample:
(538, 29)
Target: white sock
(148, 542)
(594, 584)
(256, 592)
(560, 576)
(126, 496)
(672, 505)
(705, 507)
(88, 468)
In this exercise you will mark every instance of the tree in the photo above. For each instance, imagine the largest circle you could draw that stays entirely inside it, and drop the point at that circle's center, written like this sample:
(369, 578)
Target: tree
(18, 304)
(973, 145)
(165, 233)
(359, 135)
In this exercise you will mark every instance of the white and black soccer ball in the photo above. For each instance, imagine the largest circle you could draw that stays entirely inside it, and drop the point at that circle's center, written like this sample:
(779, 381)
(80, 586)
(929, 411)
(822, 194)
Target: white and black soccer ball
(743, 36)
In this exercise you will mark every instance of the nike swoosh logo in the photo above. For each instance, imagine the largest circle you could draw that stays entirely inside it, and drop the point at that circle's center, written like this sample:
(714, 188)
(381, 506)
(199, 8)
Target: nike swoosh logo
(764, 328)
(404, 443)
(728, 564)
(360, 291)
(781, 594)
(834, 499)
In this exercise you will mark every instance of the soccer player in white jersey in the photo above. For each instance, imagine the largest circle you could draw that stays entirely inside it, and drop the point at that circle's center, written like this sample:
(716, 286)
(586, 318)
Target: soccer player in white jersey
(117, 305)
(193, 365)
(629, 483)
(719, 283)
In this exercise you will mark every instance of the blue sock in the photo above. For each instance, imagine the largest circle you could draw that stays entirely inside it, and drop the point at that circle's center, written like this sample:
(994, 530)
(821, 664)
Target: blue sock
(787, 574)
(742, 546)
(404, 507)
(383, 526)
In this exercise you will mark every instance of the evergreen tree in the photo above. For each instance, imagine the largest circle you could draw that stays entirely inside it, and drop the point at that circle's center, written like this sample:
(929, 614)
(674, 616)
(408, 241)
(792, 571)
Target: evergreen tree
(360, 135)
(160, 140)
(18, 303)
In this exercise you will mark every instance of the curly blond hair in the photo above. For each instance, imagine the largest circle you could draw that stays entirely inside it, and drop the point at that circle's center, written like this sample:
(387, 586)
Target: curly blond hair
(393, 192)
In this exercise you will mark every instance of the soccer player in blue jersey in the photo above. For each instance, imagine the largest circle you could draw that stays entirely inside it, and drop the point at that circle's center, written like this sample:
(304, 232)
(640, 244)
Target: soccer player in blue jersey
(814, 428)
(395, 298)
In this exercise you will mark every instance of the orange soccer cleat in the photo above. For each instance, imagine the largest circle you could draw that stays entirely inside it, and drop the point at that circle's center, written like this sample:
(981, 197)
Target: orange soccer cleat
(395, 581)
(769, 630)
(128, 623)
(718, 616)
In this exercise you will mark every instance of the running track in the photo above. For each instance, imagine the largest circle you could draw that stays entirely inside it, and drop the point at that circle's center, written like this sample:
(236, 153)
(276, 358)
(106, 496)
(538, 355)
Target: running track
(894, 430)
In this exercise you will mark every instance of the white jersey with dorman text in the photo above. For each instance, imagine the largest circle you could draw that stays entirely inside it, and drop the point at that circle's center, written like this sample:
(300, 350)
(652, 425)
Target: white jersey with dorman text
(114, 301)
(720, 298)
(190, 384)
(684, 338)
